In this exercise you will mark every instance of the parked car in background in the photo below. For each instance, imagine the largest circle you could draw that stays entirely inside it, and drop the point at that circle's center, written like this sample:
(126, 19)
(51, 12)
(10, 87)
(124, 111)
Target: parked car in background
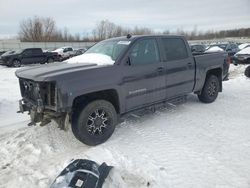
(77, 52)
(2, 52)
(197, 48)
(64, 52)
(242, 57)
(28, 56)
(7, 53)
(230, 48)
(115, 77)
(244, 45)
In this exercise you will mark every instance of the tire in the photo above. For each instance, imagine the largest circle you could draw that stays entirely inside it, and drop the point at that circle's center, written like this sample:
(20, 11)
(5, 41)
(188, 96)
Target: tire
(50, 60)
(247, 72)
(95, 123)
(210, 89)
(16, 63)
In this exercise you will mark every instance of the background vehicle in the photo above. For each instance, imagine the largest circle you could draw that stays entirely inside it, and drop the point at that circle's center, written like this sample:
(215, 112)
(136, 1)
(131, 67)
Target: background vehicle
(230, 48)
(2, 52)
(77, 52)
(64, 52)
(5, 54)
(117, 76)
(242, 57)
(197, 48)
(244, 45)
(28, 56)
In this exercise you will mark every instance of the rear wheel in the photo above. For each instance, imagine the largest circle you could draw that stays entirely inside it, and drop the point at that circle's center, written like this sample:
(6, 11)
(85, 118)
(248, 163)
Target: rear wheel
(95, 123)
(247, 72)
(210, 89)
(16, 63)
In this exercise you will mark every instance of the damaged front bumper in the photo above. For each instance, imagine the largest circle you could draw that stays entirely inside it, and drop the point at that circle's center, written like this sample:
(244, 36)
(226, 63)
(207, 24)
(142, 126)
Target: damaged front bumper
(40, 114)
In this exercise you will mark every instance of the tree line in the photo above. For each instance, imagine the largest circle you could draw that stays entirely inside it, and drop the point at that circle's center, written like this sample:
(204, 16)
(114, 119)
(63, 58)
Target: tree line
(44, 29)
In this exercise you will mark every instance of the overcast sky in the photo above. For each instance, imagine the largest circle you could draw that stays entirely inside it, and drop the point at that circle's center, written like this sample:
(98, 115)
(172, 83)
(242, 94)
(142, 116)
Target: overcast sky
(81, 16)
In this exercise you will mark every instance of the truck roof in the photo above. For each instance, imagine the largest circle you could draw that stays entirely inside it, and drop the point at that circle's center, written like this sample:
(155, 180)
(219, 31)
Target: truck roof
(133, 37)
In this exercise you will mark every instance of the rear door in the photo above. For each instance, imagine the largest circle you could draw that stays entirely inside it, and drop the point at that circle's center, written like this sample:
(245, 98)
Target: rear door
(144, 79)
(180, 66)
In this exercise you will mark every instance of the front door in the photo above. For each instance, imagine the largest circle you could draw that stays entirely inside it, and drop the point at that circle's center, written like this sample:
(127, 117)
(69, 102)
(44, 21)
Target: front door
(144, 79)
(27, 57)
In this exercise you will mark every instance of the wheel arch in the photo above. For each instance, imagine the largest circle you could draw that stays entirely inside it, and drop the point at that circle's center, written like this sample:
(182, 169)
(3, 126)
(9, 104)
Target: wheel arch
(216, 72)
(110, 95)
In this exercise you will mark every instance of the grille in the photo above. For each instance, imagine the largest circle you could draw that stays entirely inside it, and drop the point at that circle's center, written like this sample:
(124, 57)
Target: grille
(43, 90)
(29, 90)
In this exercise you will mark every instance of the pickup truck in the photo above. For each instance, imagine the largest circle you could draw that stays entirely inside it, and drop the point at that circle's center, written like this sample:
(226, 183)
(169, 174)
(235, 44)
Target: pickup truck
(28, 56)
(114, 77)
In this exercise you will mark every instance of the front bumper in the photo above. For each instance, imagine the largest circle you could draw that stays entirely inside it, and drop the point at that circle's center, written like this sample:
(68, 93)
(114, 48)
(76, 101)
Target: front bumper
(40, 114)
(28, 106)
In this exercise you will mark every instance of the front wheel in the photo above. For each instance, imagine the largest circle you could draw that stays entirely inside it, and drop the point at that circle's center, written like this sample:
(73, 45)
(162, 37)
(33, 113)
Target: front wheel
(50, 60)
(210, 89)
(16, 63)
(95, 123)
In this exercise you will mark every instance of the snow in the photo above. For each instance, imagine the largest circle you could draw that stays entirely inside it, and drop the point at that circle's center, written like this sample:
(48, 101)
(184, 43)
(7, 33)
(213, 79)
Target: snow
(99, 59)
(244, 51)
(189, 145)
(242, 46)
(215, 49)
(59, 50)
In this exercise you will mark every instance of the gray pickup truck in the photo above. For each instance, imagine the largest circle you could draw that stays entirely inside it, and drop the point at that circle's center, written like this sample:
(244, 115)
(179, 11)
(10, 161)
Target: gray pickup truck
(114, 77)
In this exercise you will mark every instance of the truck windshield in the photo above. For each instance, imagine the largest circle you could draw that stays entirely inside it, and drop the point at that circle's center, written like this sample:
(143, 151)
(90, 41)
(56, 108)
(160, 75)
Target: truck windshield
(110, 48)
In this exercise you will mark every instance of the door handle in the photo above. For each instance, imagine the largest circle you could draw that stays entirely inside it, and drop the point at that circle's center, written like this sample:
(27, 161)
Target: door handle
(129, 79)
(189, 64)
(160, 69)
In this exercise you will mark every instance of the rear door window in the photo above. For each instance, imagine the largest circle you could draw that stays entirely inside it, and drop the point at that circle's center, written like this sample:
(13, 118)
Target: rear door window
(174, 49)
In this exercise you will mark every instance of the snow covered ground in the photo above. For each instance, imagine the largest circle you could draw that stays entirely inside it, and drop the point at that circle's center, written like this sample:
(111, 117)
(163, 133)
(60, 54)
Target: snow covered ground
(190, 145)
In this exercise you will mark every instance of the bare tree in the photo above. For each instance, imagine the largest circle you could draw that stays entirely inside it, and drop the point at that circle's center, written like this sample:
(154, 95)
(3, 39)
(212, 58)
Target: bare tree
(106, 29)
(37, 29)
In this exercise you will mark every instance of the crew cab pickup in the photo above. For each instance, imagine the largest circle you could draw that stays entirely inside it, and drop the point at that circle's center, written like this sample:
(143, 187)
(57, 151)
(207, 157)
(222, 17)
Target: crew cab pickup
(114, 77)
(28, 56)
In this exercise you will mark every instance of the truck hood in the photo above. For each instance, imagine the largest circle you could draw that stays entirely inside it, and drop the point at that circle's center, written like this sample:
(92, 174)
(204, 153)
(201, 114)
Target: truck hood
(48, 72)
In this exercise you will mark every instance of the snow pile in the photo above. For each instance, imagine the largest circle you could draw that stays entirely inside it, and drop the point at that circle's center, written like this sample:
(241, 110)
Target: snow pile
(9, 96)
(99, 59)
(189, 145)
(244, 51)
(244, 45)
(215, 49)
